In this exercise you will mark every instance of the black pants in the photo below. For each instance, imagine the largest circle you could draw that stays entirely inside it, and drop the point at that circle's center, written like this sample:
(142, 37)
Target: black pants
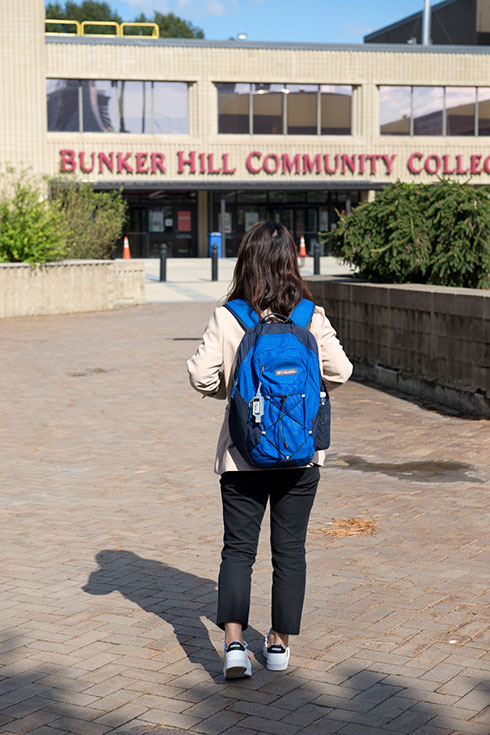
(245, 495)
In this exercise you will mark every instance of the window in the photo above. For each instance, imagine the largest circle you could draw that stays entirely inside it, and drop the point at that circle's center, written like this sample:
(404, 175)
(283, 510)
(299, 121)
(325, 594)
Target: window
(336, 109)
(460, 110)
(63, 103)
(428, 107)
(302, 105)
(278, 109)
(170, 108)
(267, 109)
(483, 110)
(105, 106)
(234, 108)
(99, 103)
(434, 110)
(395, 110)
(134, 107)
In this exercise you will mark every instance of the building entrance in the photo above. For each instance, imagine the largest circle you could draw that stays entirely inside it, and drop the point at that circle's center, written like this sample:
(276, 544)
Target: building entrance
(311, 214)
(161, 217)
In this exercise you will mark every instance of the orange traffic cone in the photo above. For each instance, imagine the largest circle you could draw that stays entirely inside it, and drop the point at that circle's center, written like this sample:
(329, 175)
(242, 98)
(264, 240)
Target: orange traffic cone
(126, 251)
(302, 251)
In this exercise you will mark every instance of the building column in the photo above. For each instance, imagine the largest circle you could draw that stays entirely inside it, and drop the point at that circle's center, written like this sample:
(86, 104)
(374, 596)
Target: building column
(368, 195)
(202, 224)
(23, 105)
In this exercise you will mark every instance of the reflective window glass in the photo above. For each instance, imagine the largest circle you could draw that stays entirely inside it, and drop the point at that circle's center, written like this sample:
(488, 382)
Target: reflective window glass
(286, 197)
(62, 103)
(170, 108)
(99, 104)
(427, 110)
(460, 110)
(135, 107)
(336, 105)
(251, 197)
(319, 197)
(267, 102)
(394, 110)
(484, 111)
(302, 102)
(233, 108)
(312, 220)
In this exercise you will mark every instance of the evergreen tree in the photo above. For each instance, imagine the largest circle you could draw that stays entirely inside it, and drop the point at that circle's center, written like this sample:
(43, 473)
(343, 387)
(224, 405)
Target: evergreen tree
(86, 10)
(170, 25)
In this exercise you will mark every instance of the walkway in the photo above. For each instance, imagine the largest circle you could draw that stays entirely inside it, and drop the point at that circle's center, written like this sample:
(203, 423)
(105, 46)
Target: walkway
(111, 532)
(189, 279)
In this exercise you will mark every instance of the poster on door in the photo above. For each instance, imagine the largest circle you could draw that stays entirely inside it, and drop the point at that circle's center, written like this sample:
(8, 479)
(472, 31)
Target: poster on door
(156, 220)
(184, 220)
(227, 223)
(250, 219)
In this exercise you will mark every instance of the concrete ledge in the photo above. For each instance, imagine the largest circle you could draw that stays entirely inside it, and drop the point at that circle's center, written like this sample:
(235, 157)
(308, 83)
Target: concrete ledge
(427, 341)
(70, 286)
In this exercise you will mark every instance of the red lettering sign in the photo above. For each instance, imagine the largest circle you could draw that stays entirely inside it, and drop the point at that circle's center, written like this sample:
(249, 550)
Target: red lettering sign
(248, 162)
(191, 162)
(411, 164)
(184, 222)
(271, 163)
(68, 163)
(157, 163)
(140, 163)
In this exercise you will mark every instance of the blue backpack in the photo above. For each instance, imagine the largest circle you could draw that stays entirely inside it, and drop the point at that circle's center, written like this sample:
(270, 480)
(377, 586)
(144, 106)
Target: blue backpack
(279, 406)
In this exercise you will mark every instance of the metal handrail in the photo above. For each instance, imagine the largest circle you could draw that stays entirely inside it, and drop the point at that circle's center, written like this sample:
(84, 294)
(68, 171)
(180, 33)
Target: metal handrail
(86, 23)
(119, 27)
(155, 30)
(75, 23)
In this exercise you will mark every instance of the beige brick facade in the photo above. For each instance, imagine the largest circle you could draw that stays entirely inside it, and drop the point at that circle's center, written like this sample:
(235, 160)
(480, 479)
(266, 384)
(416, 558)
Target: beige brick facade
(358, 161)
(23, 69)
(203, 66)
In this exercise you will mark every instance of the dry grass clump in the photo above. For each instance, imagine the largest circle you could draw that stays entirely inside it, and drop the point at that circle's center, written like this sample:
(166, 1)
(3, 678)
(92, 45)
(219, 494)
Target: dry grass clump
(340, 527)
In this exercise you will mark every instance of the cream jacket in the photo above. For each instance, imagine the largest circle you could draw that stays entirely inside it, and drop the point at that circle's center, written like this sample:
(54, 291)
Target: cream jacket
(211, 372)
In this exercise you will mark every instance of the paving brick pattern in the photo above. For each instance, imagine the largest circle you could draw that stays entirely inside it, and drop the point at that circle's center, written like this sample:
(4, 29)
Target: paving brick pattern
(110, 541)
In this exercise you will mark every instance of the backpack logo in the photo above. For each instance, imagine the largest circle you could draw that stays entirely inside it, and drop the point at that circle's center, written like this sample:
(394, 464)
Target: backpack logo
(279, 413)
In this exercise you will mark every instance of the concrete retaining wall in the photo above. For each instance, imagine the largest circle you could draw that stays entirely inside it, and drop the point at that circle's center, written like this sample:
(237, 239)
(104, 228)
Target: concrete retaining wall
(428, 341)
(70, 286)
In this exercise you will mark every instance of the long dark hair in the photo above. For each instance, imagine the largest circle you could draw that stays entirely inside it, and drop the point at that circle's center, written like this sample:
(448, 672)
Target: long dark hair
(266, 273)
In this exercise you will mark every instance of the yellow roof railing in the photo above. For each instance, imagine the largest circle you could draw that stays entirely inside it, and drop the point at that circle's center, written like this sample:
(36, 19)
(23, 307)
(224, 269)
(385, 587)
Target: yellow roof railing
(155, 30)
(77, 32)
(80, 29)
(112, 23)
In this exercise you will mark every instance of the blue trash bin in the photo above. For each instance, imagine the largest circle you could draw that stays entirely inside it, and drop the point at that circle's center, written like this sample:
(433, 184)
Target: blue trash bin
(215, 239)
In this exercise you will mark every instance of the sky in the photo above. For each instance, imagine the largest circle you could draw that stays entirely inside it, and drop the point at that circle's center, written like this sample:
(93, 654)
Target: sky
(315, 21)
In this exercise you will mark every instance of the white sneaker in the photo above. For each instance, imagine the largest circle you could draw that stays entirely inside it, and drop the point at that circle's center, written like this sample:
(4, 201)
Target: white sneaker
(237, 661)
(276, 656)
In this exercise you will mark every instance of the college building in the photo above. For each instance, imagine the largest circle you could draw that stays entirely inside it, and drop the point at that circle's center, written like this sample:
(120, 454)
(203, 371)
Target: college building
(205, 135)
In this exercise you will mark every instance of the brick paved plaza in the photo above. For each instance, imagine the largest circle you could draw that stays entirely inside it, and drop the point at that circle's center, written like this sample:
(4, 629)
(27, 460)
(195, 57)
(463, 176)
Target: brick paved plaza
(111, 533)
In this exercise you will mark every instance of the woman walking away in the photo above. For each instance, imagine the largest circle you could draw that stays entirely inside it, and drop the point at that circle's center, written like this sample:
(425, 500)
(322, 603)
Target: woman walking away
(272, 355)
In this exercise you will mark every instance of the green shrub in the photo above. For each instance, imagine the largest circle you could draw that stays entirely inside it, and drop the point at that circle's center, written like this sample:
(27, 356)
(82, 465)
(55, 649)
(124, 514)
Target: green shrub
(93, 220)
(32, 228)
(459, 215)
(420, 233)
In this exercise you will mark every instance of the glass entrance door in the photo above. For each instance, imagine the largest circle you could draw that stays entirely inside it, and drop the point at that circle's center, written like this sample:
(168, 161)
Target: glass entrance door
(161, 217)
(311, 214)
(306, 225)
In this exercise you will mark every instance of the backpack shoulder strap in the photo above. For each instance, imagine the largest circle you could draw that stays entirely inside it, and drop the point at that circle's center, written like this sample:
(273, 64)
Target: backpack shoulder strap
(303, 313)
(243, 313)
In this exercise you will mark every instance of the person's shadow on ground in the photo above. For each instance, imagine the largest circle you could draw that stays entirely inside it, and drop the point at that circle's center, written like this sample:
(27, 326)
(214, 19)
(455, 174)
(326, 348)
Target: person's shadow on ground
(183, 599)
(180, 598)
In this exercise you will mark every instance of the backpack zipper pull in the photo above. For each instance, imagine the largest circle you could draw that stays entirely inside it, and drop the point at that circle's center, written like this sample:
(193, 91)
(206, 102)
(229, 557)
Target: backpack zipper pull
(258, 405)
